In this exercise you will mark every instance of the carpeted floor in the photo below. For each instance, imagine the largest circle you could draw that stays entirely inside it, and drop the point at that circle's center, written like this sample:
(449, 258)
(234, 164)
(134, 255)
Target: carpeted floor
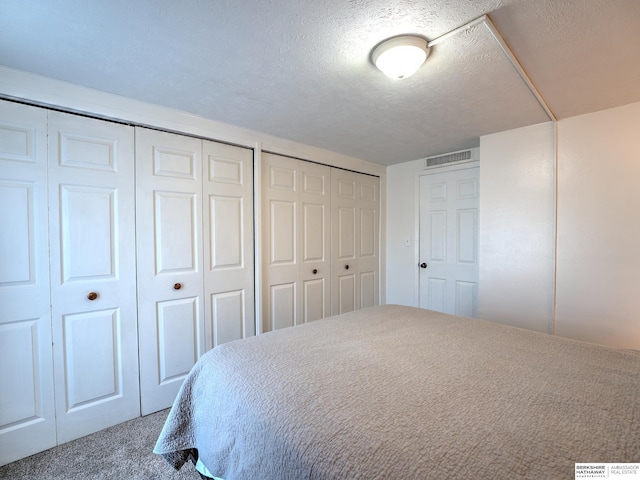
(120, 452)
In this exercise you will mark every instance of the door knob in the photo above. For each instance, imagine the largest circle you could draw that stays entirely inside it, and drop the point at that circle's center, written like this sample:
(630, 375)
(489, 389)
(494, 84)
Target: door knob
(423, 265)
(346, 267)
(314, 271)
(92, 296)
(177, 286)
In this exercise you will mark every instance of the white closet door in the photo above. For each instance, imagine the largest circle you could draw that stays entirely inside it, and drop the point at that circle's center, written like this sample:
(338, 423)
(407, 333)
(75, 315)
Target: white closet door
(296, 241)
(280, 242)
(368, 195)
(228, 252)
(93, 278)
(314, 241)
(27, 419)
(170, 278)
(355, 244)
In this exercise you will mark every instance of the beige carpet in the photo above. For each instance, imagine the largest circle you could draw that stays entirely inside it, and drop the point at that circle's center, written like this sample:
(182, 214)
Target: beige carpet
(120, 452)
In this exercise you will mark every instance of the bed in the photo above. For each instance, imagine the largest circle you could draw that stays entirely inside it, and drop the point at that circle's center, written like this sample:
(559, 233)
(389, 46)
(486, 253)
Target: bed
(394, 392)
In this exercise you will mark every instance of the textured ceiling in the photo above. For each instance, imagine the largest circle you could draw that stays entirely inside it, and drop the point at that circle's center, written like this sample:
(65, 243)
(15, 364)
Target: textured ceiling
(300, 70)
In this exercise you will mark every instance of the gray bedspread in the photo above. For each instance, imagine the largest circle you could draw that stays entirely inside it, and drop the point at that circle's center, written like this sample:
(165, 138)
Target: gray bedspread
(396, 392)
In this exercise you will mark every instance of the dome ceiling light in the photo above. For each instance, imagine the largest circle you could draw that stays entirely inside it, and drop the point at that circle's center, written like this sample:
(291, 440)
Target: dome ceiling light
(400, 57)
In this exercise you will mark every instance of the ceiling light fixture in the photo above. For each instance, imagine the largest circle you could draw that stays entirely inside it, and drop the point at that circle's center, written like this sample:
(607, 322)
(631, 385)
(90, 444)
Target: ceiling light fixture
(400, 57)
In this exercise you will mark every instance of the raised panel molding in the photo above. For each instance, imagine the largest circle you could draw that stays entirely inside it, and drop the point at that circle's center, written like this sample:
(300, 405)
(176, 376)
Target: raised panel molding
(368, 193)
(228, 316)
(467, 189)
(283, 239)
(313, 241)
(283, 305)
(466, 236)
(86, 209)
(347, 292)
(314, 299)
(367, 289)
(176, 227)
(21, 394)
(437, 291)
(81, 151)
(346, 232)
(18, 242)
(224, 170)
(178, 342)
(466, 298)
(226, 232)
(174, 163)
(346, 189)
(438, 192)
(368, 233)
(283, 178)
(92, 354)
(314, 184)
(438, 235)
(17, 143)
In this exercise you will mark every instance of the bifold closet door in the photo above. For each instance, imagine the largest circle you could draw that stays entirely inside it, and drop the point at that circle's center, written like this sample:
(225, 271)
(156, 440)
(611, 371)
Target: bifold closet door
(228, 243)
(296, 241)
(27, 418)
(355, 207)
(170, 276)
(93, 277)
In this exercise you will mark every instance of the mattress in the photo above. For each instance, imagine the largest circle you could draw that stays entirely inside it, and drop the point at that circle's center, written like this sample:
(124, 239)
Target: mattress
(398, 392)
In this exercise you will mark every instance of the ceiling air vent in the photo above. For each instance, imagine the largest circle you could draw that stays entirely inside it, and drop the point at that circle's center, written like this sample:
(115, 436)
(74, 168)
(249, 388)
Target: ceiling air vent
(461, 156)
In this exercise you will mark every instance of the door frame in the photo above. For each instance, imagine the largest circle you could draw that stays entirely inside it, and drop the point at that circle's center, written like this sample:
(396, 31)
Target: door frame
(452, 167)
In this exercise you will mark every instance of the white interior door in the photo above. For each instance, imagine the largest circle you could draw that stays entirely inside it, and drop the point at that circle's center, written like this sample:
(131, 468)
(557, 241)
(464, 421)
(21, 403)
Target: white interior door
(355, 244)
(296, 212)
(228, 252)
(448, 261)
(93, 279)
(27, 418)
(170, 277)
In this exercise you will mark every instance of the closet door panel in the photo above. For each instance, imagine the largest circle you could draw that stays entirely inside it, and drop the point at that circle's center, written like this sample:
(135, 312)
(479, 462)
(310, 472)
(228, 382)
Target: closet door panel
(228, 256)
(280, 242)
(297, 241)
(368, 236)
(92, 225)
(355, 221)
(27, 416)
(315, 241)
(345, 228)
(170, 257)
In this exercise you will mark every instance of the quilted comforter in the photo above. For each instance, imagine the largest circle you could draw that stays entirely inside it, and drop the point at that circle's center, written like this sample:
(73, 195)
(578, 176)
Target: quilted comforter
(397, 392)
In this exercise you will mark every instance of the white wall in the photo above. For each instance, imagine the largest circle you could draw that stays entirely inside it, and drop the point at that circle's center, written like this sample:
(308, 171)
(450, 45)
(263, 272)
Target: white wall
(516, 237)
(598, 266)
